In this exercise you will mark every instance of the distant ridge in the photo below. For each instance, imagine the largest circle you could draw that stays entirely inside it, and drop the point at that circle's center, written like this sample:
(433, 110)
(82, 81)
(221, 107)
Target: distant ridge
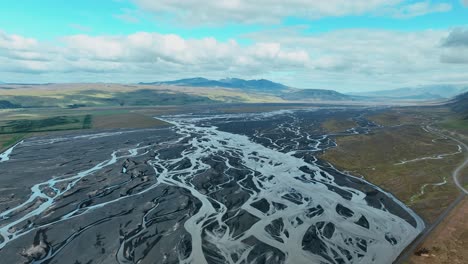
(257, 85)
(431, 92)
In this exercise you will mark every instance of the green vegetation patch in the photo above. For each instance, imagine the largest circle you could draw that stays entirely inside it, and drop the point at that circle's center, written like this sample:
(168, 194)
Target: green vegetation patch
(47, 124)
(455, 124)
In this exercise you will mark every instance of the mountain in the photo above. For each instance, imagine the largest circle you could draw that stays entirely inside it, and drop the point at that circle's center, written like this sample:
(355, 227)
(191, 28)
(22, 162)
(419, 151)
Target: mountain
(432, 92)
(459, 104)
(253, 85)
(316, 94)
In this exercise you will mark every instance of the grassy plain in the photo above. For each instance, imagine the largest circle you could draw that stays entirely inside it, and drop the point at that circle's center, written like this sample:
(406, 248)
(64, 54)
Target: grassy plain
(338, 125)
(18, 124)
(455, 124)
(376, 156)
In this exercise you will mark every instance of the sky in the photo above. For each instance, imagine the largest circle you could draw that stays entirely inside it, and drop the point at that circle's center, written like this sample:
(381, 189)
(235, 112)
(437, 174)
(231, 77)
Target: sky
(348, 46)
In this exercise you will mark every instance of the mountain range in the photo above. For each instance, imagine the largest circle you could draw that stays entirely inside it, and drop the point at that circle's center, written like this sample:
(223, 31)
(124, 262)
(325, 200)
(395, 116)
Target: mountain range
(263, 86)
(433, 92)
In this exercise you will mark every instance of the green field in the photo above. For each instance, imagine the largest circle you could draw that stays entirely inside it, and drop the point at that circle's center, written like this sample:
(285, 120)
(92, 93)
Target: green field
(47, 124)
(7, 140)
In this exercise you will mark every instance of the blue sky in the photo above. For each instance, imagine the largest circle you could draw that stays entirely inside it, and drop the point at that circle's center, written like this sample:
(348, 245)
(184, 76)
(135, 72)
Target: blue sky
(336, 44)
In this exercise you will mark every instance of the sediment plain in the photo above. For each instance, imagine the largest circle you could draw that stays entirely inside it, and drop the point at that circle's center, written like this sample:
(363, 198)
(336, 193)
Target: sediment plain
(209, 188)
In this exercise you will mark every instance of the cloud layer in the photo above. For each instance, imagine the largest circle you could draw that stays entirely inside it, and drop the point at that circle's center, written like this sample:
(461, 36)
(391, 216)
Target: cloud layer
(344, 59)
(273, 11)
(144, 53)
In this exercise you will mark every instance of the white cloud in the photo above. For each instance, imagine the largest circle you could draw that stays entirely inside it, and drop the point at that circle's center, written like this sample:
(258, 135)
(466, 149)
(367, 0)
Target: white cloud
(152, 54)
(420, 8)
(16, 42)
(365, 51)
(370, 59)
(157, 48)
(273, 11)
(464, 2)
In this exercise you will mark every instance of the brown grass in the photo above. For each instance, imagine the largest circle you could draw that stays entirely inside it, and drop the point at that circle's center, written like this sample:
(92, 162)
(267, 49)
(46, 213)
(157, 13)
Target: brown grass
(374, 156)
(448, 243)
(409, 116)
(338, 125)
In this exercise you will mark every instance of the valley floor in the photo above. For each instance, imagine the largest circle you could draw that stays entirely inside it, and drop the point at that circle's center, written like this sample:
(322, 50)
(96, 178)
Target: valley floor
(399, 154)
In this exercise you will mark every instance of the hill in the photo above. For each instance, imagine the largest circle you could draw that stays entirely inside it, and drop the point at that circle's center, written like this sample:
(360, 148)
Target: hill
(261, 85)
